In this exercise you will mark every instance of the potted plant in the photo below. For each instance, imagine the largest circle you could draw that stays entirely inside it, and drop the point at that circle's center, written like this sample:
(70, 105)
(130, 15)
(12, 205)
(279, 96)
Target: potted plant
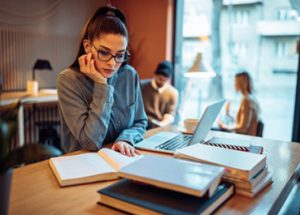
(11, 157)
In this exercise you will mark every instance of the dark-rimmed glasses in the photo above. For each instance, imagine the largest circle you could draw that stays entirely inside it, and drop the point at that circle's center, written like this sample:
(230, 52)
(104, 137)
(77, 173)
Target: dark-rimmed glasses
(106, 56)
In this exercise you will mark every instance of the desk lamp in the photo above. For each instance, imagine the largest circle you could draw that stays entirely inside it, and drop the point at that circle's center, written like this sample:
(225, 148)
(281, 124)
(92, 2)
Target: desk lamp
(32, 85)
(200, 69)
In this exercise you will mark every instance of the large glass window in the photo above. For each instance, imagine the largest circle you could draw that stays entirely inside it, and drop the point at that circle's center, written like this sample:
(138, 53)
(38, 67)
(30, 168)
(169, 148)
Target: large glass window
(241, 35)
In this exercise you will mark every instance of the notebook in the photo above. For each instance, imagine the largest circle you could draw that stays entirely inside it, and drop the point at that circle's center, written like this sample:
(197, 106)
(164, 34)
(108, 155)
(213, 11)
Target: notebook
(137, 198)
(169, 142)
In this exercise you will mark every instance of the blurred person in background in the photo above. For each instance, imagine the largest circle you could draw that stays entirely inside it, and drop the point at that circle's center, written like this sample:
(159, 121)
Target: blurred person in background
(160, 97)
(247, 117)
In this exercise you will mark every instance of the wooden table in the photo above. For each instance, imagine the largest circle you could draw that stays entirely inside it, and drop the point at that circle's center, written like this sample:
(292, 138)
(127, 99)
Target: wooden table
(36, 191)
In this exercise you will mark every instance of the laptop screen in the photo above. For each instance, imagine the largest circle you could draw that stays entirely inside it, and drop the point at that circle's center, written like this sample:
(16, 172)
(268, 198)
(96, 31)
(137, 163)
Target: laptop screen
(205, 123)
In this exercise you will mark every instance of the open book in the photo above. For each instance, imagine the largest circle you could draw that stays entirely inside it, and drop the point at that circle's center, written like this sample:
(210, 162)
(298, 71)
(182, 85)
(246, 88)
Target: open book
(175, 174)
(238, 164)
(89, 167)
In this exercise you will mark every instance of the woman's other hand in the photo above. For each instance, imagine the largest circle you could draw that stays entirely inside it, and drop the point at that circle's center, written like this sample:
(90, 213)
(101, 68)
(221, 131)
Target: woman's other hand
(87, 67)
(125, 148)
(222, 125)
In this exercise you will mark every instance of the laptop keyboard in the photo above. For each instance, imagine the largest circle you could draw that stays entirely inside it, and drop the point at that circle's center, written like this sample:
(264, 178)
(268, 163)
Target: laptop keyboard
(177, 142)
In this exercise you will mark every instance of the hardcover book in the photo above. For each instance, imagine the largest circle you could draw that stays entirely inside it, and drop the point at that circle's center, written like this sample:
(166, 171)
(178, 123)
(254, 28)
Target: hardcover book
(259, 187)
(175, 174)
(139, 198)
(248, 185)
(238, 164)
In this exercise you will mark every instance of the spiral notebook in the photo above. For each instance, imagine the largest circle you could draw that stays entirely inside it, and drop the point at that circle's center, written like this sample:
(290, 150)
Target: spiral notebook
(235, 144)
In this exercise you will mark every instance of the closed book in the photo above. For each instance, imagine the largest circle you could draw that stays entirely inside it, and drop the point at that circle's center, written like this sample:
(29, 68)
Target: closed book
(248, 185)
(238, 164)
(89, 167)
(138, 198)
(259, 187)
(174, 174)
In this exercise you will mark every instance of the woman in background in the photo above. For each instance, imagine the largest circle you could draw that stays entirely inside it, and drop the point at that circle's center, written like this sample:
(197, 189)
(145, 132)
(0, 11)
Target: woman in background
(99, 94)
(248, 113)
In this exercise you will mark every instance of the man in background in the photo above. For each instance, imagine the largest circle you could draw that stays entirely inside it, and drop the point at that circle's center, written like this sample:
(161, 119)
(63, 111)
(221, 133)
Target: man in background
(160, 97)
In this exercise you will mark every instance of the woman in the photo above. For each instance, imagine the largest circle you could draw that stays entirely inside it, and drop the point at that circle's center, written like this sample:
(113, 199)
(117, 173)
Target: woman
(99, 95)
(247, 115)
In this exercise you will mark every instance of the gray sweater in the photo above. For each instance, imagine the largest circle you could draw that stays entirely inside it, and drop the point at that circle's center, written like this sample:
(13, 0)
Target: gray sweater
(92, 114)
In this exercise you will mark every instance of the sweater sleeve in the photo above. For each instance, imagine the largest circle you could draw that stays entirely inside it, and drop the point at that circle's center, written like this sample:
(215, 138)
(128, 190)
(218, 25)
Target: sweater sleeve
(88, 123)
(135, 133)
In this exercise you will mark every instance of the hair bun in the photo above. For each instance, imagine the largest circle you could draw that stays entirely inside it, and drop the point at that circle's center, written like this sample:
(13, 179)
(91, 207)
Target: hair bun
(111, 11)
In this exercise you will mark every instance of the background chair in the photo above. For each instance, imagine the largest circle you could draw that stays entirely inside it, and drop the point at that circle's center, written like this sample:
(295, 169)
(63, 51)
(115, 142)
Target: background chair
(48, 134)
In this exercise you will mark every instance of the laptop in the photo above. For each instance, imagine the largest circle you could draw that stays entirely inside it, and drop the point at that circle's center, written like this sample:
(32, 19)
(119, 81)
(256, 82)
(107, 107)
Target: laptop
(169, 142)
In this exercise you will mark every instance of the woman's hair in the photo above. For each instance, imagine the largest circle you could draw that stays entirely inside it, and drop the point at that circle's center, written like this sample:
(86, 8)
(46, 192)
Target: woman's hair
(106, 20)
(245, 82)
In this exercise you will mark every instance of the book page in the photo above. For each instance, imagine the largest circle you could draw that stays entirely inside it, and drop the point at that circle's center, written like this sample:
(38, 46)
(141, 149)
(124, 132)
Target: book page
(79, 166)
(116, 159)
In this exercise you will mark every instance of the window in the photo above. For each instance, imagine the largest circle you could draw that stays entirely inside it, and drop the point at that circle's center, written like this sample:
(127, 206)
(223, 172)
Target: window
(241, 18)
(286, 49)
(281, 49)
(271, 61)
(284, 14)
(240, 49)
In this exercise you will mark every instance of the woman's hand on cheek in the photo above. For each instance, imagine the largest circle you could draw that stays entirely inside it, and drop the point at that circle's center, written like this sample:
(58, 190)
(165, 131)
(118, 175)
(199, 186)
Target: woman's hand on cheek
(87, 67)
(125, 148)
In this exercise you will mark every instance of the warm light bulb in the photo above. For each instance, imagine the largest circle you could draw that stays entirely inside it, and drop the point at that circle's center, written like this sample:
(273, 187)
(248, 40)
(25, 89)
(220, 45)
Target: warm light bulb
(199, 74)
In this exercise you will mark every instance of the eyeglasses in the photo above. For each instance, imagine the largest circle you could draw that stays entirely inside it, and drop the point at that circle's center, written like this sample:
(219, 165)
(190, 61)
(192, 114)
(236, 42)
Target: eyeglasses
(106, 56)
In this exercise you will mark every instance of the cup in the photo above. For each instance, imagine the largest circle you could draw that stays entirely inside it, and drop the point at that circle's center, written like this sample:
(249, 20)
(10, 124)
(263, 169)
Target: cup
(190, 125)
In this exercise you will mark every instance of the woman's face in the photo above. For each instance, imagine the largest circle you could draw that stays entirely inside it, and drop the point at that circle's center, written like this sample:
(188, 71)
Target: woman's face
(108, 45)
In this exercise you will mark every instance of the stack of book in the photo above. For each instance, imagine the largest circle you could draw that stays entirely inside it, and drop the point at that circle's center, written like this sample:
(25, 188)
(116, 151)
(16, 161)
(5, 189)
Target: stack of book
(164, 185)
(183, 176)
(152, 184)
(247, 171)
